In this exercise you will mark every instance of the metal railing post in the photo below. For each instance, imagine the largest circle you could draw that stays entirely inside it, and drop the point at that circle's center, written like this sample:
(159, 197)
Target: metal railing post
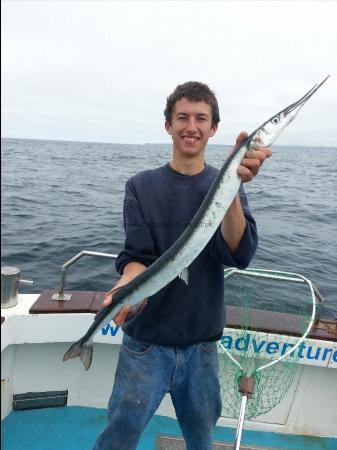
(65, 297)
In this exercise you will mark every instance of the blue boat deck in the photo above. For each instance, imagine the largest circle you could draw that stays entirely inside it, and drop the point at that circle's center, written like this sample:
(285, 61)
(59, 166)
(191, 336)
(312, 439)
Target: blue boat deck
(76, 428)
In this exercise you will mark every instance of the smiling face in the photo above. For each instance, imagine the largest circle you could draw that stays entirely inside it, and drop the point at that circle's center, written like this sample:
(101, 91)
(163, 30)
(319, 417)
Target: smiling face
(191, 127)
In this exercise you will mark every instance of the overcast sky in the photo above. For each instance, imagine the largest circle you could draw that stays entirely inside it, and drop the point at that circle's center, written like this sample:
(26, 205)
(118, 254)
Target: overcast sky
(101, 70)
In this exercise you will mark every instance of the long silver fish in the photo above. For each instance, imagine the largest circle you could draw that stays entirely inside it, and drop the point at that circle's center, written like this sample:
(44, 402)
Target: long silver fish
(175, 261)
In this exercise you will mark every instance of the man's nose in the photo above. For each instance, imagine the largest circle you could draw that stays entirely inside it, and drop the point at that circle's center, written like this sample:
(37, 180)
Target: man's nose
(191, 124)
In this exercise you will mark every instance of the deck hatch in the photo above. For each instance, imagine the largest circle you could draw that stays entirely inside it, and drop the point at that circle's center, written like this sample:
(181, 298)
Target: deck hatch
(177, 443)
(35, 400)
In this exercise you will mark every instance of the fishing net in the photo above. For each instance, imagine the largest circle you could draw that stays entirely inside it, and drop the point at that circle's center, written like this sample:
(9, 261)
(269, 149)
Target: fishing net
(269, 314)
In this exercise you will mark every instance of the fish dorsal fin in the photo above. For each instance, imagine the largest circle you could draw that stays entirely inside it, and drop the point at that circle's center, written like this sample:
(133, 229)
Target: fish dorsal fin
(184, 276)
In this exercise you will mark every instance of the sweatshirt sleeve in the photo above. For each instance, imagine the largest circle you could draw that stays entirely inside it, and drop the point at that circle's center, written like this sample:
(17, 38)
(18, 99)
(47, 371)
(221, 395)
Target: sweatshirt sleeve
(139, 245)
(247, 246)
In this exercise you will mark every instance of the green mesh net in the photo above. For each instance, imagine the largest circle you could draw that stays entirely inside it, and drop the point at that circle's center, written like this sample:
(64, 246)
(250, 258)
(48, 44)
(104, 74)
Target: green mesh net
(269, 314)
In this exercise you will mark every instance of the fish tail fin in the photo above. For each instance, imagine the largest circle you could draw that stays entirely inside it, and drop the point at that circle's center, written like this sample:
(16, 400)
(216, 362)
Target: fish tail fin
(82, 349)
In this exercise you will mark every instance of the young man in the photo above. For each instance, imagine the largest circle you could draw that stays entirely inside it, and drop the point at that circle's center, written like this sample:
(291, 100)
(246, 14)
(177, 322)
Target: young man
(169, 343)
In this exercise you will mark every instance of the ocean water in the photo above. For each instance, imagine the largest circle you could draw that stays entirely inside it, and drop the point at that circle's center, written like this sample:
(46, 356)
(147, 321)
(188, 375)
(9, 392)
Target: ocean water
(59, 198)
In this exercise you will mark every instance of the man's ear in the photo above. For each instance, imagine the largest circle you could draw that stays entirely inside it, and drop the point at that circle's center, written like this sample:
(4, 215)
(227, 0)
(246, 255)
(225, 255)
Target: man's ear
(168, 127)
(213, 130)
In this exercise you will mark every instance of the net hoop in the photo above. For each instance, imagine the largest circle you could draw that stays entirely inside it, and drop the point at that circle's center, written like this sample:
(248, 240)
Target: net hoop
(280, 275)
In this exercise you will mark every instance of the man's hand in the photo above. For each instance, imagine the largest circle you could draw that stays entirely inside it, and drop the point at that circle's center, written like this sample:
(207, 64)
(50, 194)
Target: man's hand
(234, 223)
(129, 311)
(253, 160)
(130, 271)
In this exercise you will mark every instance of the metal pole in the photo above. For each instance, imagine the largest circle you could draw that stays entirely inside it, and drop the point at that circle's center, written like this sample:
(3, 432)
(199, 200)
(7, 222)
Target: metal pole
(240, 422)
(61, 295)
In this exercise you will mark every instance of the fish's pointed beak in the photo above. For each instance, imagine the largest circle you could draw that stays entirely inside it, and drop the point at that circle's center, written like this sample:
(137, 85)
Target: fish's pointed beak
(295, 107)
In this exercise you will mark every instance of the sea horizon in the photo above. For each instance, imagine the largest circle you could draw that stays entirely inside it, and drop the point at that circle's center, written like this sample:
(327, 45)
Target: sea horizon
(156, 143)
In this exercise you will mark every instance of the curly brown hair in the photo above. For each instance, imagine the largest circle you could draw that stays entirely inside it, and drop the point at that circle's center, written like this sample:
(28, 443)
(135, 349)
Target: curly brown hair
(193, 91)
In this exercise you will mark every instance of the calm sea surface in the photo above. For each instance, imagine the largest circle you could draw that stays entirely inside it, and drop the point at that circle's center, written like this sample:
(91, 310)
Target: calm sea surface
(59, 198)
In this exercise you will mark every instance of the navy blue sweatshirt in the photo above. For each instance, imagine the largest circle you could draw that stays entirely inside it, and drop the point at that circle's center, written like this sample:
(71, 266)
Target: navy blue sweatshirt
(158, 205)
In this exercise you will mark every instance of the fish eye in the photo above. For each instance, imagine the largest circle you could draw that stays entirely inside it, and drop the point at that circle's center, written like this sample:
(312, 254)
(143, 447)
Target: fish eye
(275, 120)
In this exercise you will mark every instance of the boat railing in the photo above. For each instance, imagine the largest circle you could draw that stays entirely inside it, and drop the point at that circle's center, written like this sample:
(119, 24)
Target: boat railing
(61, 294)
(273, 274)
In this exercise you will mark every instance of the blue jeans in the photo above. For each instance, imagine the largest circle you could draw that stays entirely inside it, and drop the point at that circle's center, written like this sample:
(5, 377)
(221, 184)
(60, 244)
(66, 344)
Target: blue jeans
(145, 373)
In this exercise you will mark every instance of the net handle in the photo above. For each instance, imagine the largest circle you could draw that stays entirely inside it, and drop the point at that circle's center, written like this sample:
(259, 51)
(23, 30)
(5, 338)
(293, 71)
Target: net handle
(281, 275)
(241, 419)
